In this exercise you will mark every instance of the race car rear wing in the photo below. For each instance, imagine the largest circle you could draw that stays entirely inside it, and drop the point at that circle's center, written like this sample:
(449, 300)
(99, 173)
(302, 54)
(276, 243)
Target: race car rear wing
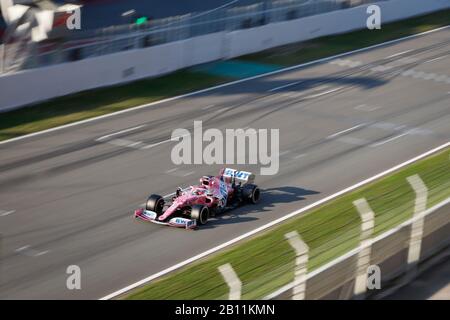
(240, 176)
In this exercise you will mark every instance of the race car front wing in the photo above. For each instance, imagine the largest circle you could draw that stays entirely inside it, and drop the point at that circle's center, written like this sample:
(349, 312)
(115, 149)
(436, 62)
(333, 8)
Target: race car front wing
(179, 222)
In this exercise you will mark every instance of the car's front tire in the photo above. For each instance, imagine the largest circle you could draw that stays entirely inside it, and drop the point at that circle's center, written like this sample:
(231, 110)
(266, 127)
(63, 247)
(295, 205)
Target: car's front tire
(155, 203)
(200, 213)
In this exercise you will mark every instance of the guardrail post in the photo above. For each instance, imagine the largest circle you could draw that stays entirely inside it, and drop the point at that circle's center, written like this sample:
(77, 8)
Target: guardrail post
(301, 264)
(367, 225)
(415, 241)
(232, 280)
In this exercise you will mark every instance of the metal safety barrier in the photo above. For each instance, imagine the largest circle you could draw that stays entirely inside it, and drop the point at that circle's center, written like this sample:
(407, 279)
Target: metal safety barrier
(92, 43)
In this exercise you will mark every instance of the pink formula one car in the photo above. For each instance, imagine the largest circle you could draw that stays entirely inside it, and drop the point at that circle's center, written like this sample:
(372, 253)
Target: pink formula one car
(192, 206)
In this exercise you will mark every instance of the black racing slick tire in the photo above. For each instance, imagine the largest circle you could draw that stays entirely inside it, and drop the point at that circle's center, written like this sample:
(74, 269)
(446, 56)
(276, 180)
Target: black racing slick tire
(251, 193)
(200, 213)
(155, 203)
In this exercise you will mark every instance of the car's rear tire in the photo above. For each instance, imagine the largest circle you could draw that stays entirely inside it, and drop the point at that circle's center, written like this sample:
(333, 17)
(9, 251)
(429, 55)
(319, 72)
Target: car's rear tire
(155, 203)
(251, 193)
(200, 213)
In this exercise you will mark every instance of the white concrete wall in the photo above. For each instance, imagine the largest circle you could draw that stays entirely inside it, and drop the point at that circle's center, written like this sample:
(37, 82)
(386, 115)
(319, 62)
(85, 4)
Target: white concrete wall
(31, 86)
(269, 36)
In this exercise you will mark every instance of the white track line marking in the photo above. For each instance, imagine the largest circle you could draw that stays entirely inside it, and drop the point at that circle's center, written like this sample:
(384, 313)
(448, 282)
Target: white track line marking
(300, 156)
(135, 144)
(285, 86)
(323, 93)
(344, 131)
(4, 213)
(232, 279)
(298, 66)
(346, 63)
(41, 253)
(156, 144)
(208, 107)
(435, 59)
(123, 142)
(163, 141)
(188, 173)
(22, 248)
(119, 132)
(271, 224)
(28, 251)
(398, 54)
(389, 140)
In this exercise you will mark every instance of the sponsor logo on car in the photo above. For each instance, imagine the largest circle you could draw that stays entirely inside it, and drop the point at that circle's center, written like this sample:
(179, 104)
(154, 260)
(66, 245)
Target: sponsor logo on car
(150, 214)
(191, 224)
(182, 222)
(241, 175)
(224, 193)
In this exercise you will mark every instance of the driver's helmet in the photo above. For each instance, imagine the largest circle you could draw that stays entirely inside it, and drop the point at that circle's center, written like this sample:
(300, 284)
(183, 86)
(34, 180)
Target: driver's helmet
(198, 191)
(205, 181)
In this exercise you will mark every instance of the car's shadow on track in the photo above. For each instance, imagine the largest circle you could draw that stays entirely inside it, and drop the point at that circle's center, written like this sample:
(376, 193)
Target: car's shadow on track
(269, 199)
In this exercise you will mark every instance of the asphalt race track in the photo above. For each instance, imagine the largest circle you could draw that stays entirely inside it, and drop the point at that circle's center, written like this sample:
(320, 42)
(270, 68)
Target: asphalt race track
(67, 199)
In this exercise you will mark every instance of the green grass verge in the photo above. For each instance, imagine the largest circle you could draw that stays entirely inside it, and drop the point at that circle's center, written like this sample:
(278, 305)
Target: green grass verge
(332, 45)
(98, 102)
(93, 103)
(266, 262)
